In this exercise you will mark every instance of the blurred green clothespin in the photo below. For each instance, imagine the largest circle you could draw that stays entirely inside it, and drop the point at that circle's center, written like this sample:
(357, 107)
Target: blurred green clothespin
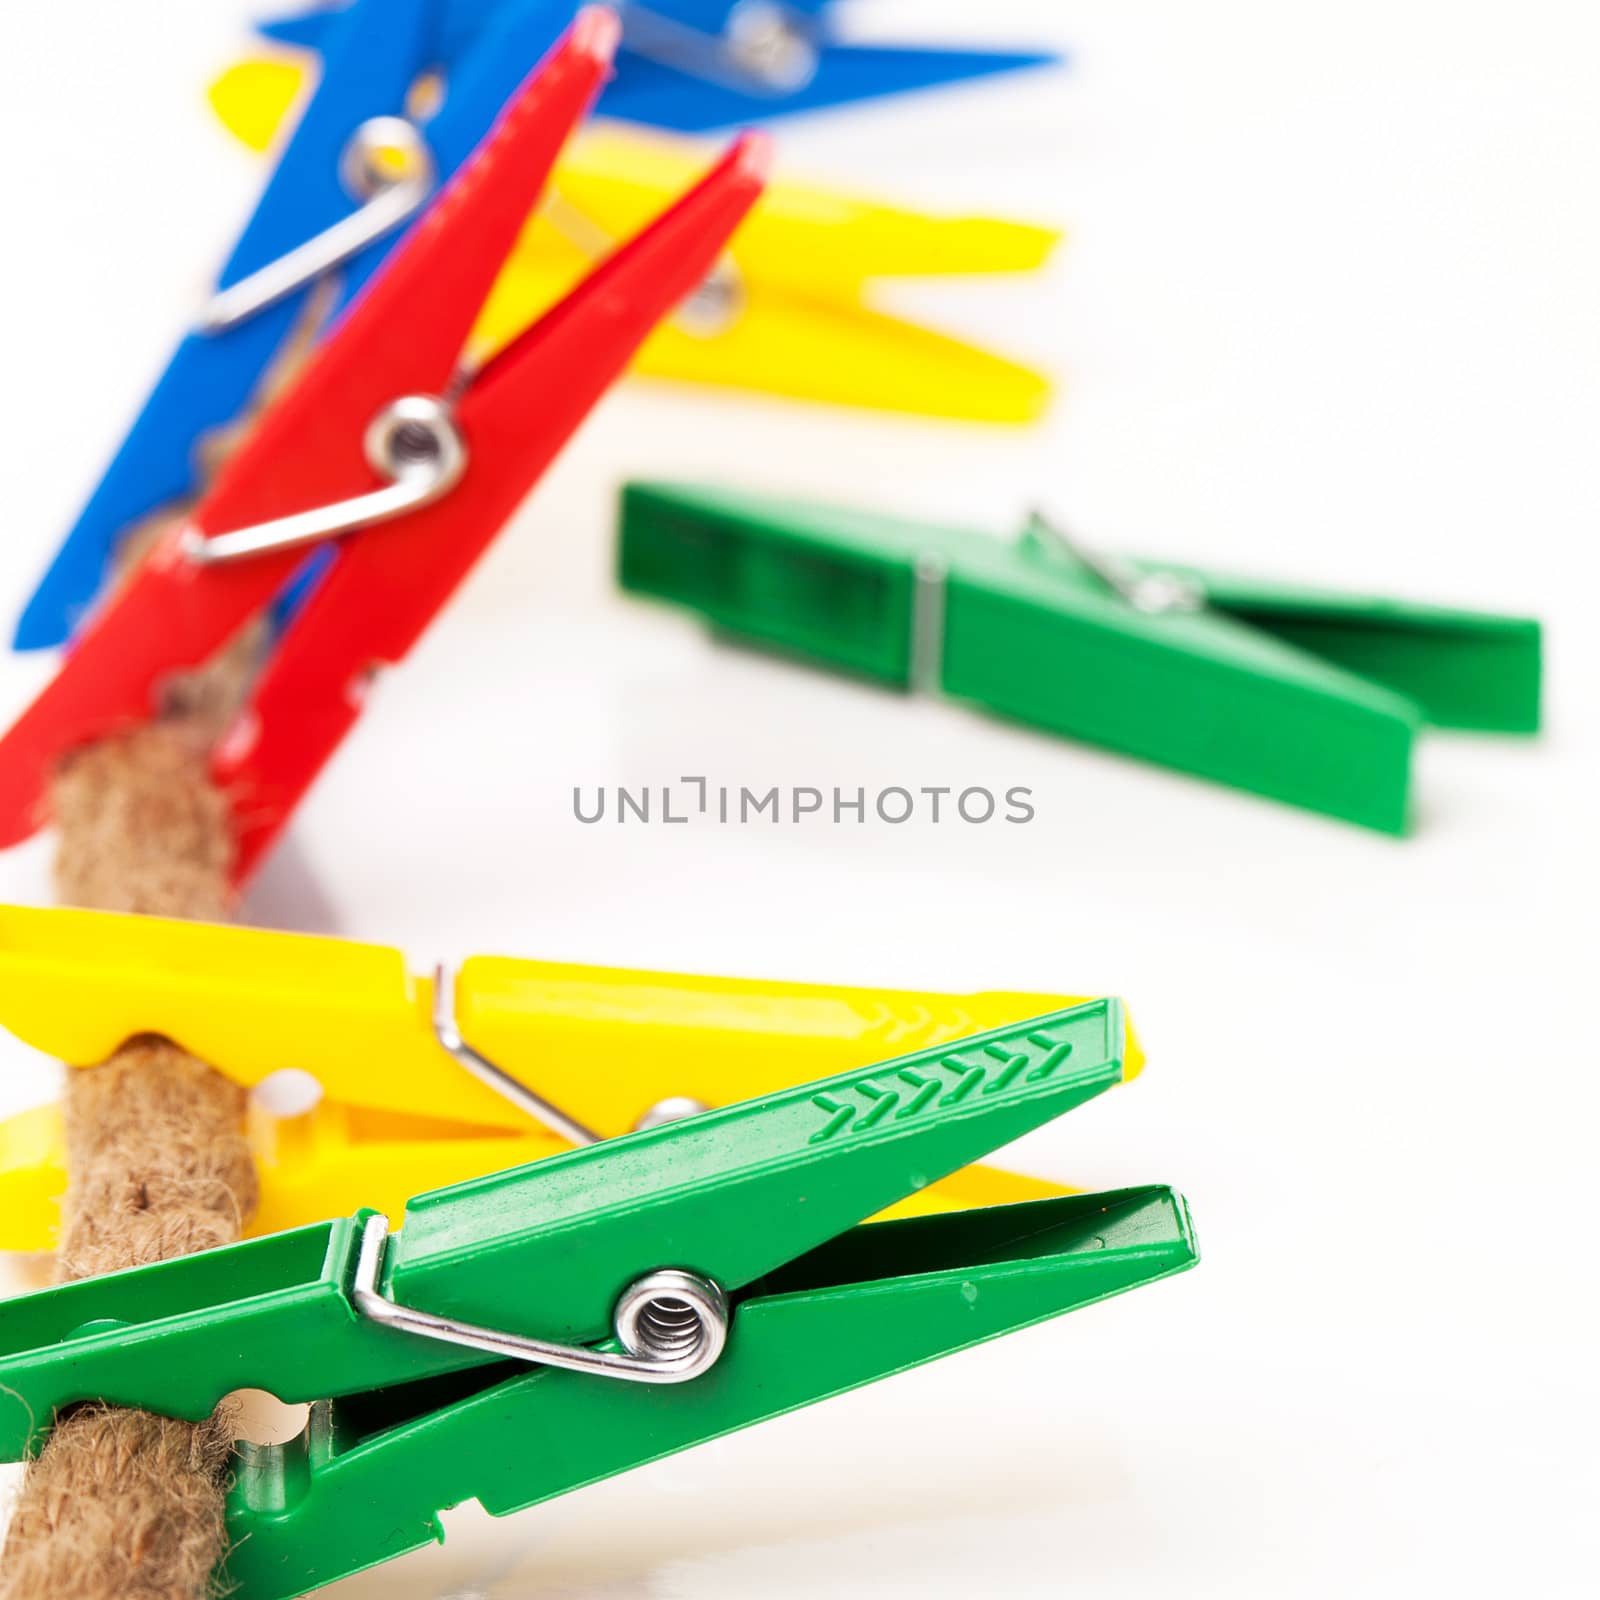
(1309, 696)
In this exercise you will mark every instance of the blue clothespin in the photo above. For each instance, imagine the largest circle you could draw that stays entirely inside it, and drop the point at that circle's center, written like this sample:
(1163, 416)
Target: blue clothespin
(694, 65)
(328, 201)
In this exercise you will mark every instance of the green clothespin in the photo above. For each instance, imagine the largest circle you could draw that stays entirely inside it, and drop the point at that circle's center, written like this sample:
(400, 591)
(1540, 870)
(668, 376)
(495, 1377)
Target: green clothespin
(667, 1288)
(1309, 696)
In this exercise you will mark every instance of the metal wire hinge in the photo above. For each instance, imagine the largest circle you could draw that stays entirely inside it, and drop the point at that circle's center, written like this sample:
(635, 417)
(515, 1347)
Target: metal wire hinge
(414, 442)
(1156, 593)
(447, 1030)
(930, 575)
(388, 166)
(712, 307)
(764, 48)
(672, 1325)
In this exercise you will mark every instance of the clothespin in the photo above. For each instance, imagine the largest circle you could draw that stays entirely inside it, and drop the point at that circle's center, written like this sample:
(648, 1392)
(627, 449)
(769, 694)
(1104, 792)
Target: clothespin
(698, 65)
(1308, 696)
(428, 1081)
(359, 163)
(787, 309)
(393, 442)
(616, 1304)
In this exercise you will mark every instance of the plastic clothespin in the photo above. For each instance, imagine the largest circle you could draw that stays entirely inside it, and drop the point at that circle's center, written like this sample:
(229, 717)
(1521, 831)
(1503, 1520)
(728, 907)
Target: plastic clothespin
(1308, 696)
(698, 65)
(429, 1081)
(616, 1304)
(786, 311)
(391, 442)
(359, 162)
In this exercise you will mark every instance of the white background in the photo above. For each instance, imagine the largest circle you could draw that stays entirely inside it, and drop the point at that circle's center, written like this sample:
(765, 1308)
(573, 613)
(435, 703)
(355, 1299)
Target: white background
(1328, 310)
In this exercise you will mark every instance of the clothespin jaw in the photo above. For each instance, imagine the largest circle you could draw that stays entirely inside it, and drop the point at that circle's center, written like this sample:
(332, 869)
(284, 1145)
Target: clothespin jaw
(891, 1299)
(699, 65)
(786, 311)
(389, 441)
(1304, 696)
(719, 1256)
(1469, 670)
(76, 984)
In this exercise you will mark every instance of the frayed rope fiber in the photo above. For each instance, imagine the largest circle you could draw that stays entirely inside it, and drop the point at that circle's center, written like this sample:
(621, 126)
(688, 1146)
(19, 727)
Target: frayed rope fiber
(123, 1505)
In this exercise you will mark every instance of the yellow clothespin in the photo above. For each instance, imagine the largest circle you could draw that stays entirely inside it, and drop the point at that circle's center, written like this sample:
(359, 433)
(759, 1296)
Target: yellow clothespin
(427, 1082)
(786, 312)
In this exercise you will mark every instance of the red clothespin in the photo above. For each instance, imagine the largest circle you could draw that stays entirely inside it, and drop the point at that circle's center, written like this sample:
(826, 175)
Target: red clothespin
(389, 440)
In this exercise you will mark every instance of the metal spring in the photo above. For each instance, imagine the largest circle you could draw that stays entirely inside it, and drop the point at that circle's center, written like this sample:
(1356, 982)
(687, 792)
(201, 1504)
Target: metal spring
(675, 1317)
(669, 1327)
(672, 1325)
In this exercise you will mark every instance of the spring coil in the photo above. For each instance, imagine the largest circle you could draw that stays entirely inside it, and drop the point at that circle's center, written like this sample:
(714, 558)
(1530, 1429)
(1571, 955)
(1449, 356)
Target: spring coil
(675, 1318)
(669, 1327)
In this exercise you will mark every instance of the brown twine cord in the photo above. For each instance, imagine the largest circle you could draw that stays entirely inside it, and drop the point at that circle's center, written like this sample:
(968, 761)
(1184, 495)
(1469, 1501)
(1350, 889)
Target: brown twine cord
(142, 829)
(121, 1504)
